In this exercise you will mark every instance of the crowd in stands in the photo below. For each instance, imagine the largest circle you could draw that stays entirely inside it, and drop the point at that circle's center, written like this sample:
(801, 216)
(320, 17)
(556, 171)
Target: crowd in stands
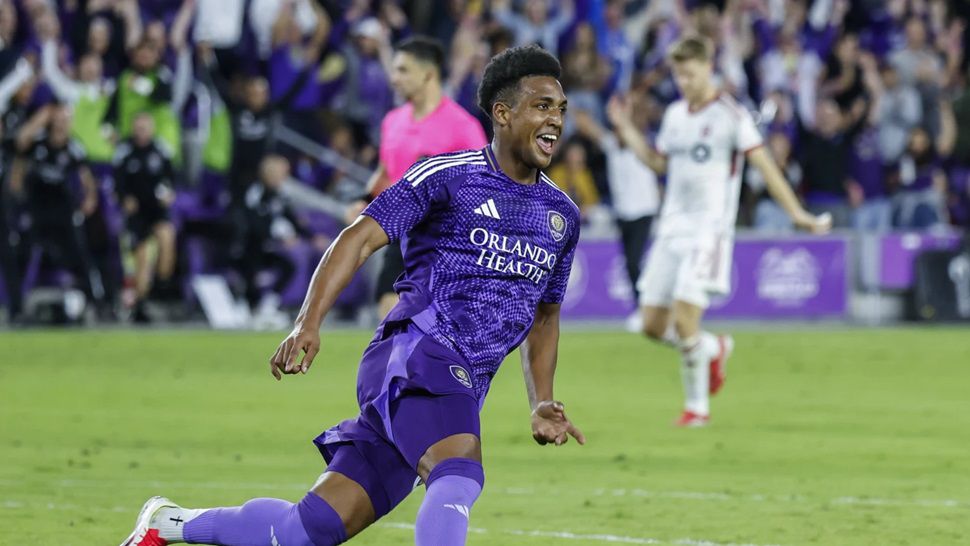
(131, 127)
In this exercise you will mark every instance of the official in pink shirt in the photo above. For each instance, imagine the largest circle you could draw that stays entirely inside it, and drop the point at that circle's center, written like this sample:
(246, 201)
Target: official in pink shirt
(428, 123)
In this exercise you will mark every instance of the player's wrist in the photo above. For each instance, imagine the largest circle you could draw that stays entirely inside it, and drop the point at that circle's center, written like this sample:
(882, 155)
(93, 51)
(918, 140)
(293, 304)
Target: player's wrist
(542, 402)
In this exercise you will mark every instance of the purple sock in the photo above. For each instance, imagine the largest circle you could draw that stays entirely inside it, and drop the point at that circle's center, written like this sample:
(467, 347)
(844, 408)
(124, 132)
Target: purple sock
(269, 522)
(453, 487)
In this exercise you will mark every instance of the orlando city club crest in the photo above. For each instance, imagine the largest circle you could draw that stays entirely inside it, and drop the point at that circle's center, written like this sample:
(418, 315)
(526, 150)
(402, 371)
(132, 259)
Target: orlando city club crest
(461, 375)
(557, 225)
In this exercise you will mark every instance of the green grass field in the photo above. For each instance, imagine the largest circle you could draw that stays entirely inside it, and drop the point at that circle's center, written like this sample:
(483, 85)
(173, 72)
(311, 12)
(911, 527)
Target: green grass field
(837, 437)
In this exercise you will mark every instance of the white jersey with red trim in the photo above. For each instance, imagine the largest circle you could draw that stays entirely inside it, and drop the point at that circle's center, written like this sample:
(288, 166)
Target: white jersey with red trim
(705, 151)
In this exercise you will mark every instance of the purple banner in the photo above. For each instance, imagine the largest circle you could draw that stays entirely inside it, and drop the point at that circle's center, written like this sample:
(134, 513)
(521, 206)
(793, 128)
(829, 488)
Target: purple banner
(801, 278)
(898, 251)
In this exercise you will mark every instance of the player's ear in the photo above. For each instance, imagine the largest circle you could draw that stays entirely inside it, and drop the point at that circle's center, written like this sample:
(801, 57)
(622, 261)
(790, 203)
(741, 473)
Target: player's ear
(501, 113)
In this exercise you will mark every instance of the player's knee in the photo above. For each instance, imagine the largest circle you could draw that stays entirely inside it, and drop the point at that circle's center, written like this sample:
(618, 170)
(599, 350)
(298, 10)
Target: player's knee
(323, 525)
(458, 479)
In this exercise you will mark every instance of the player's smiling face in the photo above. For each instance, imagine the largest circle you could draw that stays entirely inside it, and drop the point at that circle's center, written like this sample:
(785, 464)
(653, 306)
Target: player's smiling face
(536, 120)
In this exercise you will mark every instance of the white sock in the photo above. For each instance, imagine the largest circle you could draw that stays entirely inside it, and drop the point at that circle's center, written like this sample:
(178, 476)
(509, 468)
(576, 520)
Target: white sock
(170, 521)
(696, 354)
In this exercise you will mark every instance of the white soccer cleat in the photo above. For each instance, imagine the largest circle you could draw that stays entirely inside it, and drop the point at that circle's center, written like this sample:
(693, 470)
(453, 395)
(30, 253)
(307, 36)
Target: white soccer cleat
(144, 534)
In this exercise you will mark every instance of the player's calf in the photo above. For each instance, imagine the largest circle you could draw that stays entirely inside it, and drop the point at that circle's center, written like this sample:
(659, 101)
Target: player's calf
(259, 522)
(453, 487)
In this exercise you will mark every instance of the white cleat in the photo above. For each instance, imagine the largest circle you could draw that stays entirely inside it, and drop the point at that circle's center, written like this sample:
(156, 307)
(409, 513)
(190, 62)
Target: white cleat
(144, 534)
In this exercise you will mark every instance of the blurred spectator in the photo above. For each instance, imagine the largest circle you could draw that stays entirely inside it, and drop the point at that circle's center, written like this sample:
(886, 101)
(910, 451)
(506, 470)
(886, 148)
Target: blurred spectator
(144, 183)
(585, 74)
(107, 29)
(265, 15)
(617, 47)
(367, 94)
(842, 75)
(573, 176)
(146, 86)
(867, 189)
(16, 91)
(219, 23)
(535, 26)
(769, 217)
(265, 231)
(898, 110)
(47, 160)
(825, 152)
(920, 66)
(252, 119)
(921, 178)
(634, 191)
(19, 78)
(292, 63)
(89, 95)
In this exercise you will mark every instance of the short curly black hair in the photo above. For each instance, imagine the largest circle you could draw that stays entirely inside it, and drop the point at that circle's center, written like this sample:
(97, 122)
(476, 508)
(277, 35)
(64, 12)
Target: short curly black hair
(505, 70)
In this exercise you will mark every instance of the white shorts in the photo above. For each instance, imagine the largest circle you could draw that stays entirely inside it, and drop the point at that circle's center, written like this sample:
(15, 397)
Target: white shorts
(688, 269)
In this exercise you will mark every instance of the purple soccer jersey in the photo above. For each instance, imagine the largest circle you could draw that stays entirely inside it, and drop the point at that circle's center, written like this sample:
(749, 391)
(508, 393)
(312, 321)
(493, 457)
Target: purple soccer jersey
(481, 251)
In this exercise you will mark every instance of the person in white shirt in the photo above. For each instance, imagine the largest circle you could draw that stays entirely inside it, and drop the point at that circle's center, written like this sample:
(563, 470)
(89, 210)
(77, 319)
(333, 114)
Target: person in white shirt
(634, 192)
(703, 141)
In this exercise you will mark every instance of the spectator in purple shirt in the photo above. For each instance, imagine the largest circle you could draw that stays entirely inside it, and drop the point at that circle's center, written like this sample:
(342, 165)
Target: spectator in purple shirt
(367, 95)
(867, 189)
(921, 179)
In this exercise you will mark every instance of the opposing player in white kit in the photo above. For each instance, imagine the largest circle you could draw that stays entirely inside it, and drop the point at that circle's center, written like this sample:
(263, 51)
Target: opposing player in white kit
(703, 141)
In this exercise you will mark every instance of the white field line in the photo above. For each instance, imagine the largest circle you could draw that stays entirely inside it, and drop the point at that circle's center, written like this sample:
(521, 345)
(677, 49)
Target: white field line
(566, 535)
(702, 496)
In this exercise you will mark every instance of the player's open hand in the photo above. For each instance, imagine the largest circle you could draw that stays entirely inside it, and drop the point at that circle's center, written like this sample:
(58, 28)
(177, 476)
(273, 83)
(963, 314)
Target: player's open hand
(300, 340)
(551, 426)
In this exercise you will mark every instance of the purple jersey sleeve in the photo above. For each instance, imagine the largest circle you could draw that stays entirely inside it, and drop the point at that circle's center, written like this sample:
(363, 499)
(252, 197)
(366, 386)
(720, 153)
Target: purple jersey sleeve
(556, 289)
(405, 203)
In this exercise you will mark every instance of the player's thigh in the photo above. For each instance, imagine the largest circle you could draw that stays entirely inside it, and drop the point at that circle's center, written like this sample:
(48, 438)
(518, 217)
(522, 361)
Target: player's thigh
(657, 281)
(429, 429)
(656, 320)
(687, 318)
(365, 480)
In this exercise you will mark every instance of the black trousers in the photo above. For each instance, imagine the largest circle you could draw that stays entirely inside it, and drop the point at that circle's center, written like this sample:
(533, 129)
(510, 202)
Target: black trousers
(10, 267)
(260, 259)
(633, 237)
(64, 243)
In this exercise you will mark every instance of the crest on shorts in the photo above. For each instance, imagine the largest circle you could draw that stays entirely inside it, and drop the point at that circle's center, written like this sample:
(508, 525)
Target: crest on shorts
(557, 225)
(461, 375)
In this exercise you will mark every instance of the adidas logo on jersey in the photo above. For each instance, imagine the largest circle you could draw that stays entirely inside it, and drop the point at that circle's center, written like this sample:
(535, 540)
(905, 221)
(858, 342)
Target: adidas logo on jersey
(488, 209)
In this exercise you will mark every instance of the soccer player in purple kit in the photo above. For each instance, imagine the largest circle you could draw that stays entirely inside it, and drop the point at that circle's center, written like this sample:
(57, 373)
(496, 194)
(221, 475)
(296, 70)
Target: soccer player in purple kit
(488, 242)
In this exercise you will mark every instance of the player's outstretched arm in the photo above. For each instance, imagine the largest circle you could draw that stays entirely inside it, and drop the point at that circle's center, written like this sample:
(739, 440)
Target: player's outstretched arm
(348, 252)
(782, 193)
(619, 113)
(539, 354)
